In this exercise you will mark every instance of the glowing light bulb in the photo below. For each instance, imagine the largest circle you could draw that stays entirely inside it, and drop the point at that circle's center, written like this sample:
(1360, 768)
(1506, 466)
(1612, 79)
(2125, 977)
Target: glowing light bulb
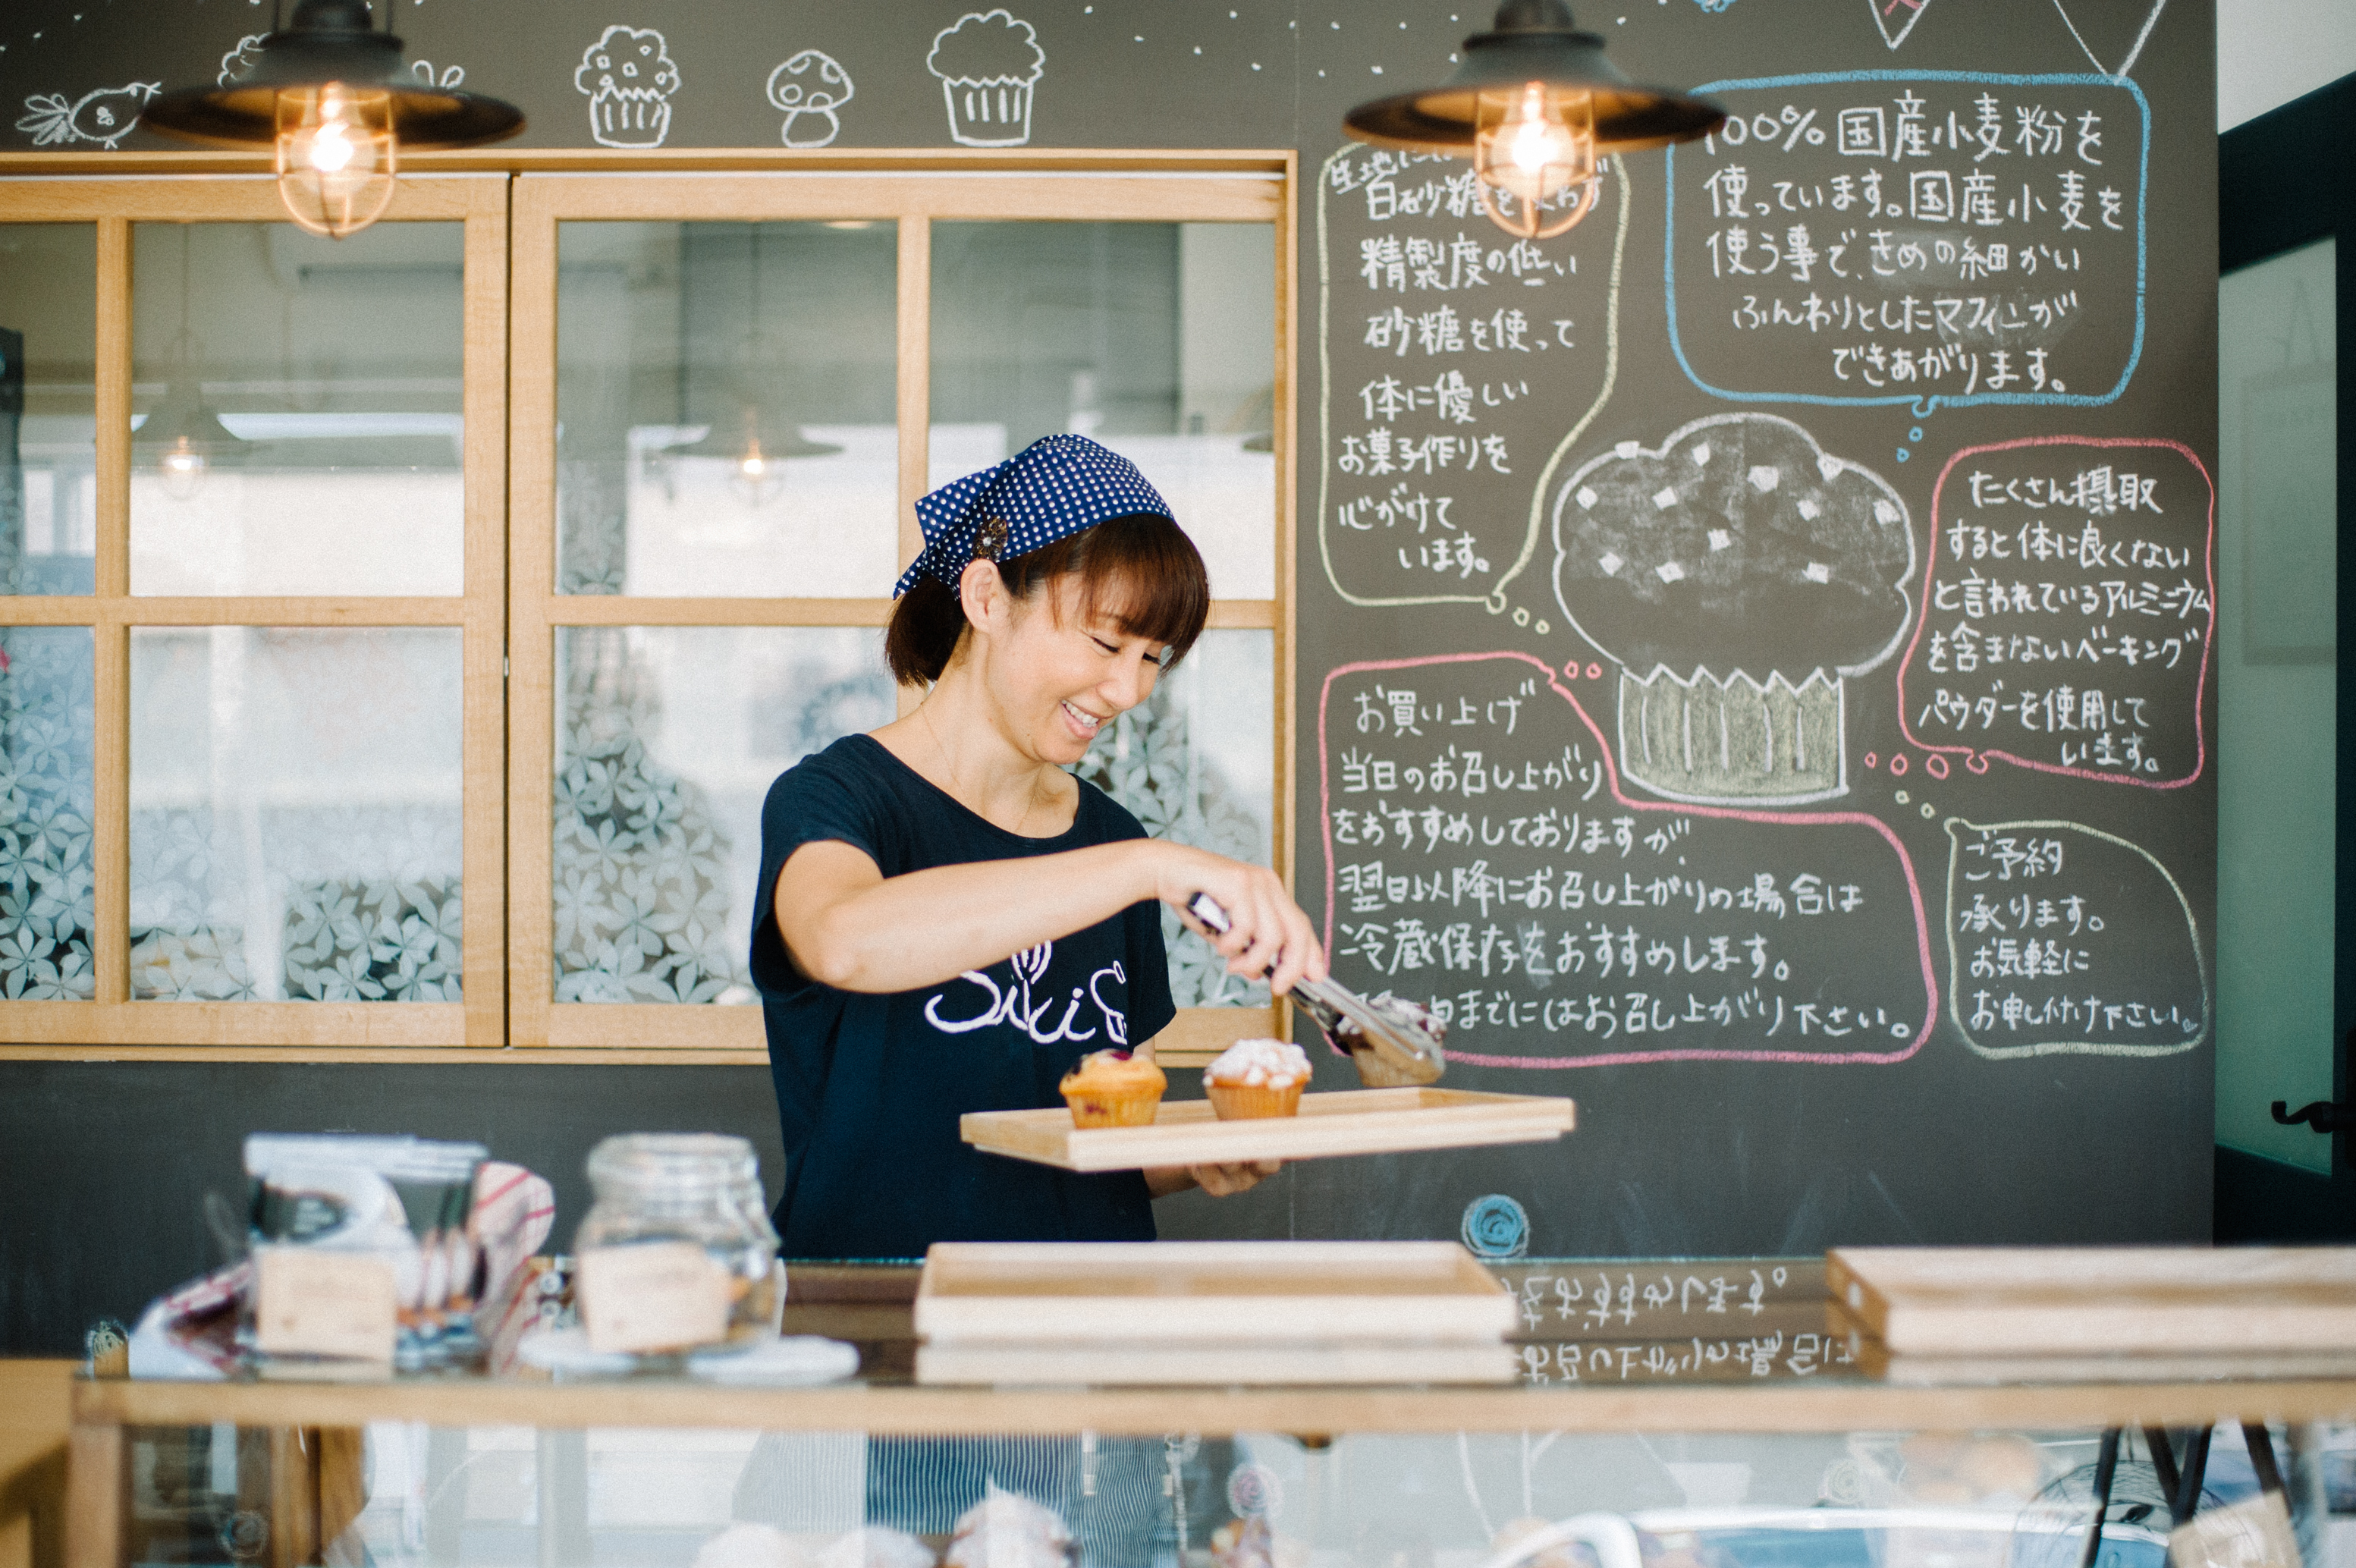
(338, 156)
(1540, 148)
(758, 476)
(183, 468)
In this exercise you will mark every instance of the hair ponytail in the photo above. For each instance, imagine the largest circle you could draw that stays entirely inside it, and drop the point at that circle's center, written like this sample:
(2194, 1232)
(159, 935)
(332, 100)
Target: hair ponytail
(926, 624)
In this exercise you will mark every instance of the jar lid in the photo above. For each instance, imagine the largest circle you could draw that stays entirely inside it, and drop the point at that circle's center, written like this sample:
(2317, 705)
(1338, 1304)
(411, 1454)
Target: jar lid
(673, 1160)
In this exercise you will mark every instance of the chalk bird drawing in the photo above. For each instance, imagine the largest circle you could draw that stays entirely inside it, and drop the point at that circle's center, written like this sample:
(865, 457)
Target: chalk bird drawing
(1896, 18)
(628, 78)
(988, 63)
(102, 118)
(239, 60)
(811, 84)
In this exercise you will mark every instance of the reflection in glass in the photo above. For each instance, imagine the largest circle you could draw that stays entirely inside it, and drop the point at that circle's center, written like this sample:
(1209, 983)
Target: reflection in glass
(298, 410)
(45, 812)
(295, 814)
(726, 409)
(48, 391)
(1158, 339)
(1196, 764)
(667, 740)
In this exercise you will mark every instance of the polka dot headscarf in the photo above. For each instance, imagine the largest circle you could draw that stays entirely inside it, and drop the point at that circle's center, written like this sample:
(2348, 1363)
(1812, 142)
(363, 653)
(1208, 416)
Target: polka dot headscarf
(1051, 489)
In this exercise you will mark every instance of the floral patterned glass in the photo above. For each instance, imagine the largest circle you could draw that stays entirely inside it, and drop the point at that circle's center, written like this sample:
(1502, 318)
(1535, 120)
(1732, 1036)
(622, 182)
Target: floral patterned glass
(298, 410)
(295, 814)
(667, 740)
(1196, 765)
(1158, 339)
(45, 812)
(48, 421)
(725, 397)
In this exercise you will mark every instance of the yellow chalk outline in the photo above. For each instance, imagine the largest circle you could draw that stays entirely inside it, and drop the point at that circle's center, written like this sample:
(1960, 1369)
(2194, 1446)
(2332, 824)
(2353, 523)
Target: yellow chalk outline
(2067, 1047)
(1495, 598)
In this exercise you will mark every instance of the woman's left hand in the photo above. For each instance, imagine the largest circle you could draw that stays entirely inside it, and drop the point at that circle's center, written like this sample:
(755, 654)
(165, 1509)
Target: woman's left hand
(1218, 1180)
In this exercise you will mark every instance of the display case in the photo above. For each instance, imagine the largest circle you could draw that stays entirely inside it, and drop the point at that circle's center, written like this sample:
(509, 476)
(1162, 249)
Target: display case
(1752, 1438)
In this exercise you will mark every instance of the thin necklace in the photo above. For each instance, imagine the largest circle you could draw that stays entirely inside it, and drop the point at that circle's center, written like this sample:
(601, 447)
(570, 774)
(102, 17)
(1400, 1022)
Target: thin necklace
(949, 765)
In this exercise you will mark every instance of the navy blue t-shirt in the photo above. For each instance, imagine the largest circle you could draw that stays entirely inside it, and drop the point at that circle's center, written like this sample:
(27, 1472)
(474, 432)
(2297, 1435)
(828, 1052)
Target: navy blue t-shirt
(870, 1087)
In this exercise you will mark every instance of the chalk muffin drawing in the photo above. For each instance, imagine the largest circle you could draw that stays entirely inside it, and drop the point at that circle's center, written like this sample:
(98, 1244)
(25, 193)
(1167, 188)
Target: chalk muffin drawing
(102, 118)
(988, 63)
(629, 79)
(1739, 541)
(810, 86)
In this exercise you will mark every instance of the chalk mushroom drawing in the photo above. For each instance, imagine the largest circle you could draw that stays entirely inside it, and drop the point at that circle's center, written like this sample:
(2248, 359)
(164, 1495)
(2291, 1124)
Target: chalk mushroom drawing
(1742, 542)
(988, 62)
(1896, 18)
(628, 78)
(449, 76)
(811, 83)
(239, 60)
(103, 117)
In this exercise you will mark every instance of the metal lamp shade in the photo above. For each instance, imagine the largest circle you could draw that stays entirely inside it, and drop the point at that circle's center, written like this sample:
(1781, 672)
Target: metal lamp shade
(330, 40)
(1532, 41)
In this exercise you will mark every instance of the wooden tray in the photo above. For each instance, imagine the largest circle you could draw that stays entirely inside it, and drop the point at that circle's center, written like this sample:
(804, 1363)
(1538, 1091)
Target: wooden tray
(2098, 1301)
(1214, 1365)
(1346, 1122)
(1061, 1296)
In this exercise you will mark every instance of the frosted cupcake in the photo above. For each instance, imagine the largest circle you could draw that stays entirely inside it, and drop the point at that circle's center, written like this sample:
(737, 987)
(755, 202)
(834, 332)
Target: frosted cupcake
(629, 79)
(1256, 1078)
(1113, 1088)
(988, 64)
(1738, 573)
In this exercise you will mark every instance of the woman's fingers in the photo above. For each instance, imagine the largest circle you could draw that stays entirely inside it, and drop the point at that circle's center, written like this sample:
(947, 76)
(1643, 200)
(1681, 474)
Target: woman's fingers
(1227, 1180)
(1267, 933)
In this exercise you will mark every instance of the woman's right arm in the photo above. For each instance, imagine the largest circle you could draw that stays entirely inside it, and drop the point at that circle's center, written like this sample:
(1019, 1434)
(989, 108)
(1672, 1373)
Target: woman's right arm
(847, 925)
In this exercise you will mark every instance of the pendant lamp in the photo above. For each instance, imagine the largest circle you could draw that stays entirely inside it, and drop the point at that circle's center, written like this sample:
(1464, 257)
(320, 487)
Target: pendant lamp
(1538, 107)
(757, 444)
(332, 96)
(181, 434)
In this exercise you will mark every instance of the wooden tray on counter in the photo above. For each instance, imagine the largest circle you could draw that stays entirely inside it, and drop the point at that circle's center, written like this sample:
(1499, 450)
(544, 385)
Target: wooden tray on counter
(1345, 1122)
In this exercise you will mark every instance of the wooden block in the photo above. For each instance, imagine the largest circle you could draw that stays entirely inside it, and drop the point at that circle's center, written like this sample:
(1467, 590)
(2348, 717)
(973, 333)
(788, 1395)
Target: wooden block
(1231, 1292)
(2098, 1301)
(1110, 1365)
(1347, 1122)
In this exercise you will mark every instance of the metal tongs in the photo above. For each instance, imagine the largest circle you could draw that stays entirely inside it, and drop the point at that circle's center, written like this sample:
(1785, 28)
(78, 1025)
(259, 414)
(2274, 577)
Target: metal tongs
(1393, 1044)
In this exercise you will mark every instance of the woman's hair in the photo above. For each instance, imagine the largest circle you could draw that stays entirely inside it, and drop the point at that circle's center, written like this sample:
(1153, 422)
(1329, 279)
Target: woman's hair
(1144, 562)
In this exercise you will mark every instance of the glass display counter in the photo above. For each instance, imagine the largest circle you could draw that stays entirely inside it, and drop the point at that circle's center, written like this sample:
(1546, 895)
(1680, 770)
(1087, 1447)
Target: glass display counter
(1604, 1455)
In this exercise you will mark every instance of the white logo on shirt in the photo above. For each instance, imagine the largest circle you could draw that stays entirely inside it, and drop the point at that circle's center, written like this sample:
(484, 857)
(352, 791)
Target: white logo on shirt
(1012, 1002)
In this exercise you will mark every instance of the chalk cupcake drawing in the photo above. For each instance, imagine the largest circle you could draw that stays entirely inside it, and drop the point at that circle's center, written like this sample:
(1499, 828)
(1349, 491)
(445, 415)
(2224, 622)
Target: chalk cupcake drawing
(810, 86)
(101, 118)
(989, 61)
(1739, 543)
(239, 60)
(628, 78)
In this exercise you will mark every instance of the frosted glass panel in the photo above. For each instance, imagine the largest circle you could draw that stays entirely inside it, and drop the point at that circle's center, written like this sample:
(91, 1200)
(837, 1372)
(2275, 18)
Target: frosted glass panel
(48, 424)
(1158, 339)
(295, 814)
(297, 410)
(726, 409)
(667, 740)
(45, 812)
(2277, 695)
(1196, 764)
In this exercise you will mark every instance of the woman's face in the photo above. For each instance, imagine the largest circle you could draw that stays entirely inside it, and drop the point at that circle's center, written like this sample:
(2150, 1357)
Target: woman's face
(1058, 675)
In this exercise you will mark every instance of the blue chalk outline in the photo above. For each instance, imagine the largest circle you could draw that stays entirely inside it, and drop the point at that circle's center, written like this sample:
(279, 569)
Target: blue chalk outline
(1924, 406)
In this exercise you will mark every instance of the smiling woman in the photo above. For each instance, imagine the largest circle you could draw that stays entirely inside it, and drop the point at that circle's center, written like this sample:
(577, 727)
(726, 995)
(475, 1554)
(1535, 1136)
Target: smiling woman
(955, 919)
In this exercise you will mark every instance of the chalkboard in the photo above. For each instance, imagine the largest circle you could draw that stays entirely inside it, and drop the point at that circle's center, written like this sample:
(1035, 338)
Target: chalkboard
(1855, 873)
(1756, 645)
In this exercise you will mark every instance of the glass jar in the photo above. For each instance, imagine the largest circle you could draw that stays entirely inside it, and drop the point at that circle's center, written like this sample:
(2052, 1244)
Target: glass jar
(698, 1187)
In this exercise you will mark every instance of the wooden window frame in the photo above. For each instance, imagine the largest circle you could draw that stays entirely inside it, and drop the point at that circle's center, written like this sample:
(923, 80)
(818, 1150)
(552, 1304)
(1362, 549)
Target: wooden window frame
(508, 612)
(911, 192)
(307, 1031)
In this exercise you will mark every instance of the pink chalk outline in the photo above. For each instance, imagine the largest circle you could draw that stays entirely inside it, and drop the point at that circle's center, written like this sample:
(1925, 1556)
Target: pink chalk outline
(1976, 760)
(1623, 1058)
